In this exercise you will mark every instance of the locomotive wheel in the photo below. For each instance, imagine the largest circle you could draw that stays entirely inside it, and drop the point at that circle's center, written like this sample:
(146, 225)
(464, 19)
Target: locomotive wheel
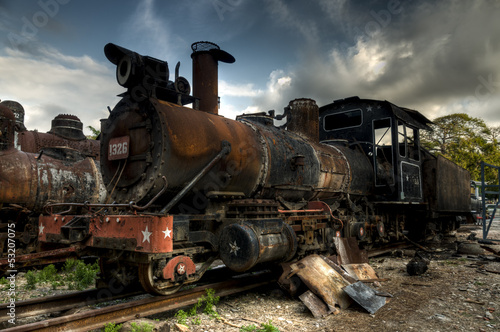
(150, 283)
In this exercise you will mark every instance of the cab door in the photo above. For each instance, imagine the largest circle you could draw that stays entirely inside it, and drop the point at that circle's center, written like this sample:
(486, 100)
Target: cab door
(410, 171)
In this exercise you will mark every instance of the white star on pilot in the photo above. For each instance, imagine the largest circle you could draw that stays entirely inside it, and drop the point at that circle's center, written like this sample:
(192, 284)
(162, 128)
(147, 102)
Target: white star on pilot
(234, 248)
(181, 269)
(146, 234)
(167, 232)
(41, 228)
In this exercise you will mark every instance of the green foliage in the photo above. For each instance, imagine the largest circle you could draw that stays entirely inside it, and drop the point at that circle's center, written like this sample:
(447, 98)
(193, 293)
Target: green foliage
(143, 327)
(466, 141)
(181, 317)
(77, 275)
(265, 327)
(112, 327)
(48, 274)
(209, 300)
(81, 275)
(95, 133)
(30, 280)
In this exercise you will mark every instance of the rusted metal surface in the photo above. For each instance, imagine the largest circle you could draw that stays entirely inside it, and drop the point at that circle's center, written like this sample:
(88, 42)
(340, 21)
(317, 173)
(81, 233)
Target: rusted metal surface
(449, 189)
(56, 175)
(120, 313)
(18, 111)
(177, 152)
(58, 303)
(180, 265)
(7, 124)
(145, 234)
(206, 56)
(365, 297)
(360, 271)
(242, 246)
(40, 258)
(66, 131)
(348, 251)
(303, 118)
(323, 280)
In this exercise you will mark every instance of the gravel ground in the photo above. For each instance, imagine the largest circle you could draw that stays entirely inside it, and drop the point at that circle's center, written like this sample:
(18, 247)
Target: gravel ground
(459, 292)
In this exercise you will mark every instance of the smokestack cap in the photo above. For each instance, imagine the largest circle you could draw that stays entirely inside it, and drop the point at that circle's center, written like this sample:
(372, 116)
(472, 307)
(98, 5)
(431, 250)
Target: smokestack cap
(214, 49)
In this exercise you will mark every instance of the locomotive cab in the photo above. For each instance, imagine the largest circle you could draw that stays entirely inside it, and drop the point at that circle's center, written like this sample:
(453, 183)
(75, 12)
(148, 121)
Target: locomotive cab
(388, 135)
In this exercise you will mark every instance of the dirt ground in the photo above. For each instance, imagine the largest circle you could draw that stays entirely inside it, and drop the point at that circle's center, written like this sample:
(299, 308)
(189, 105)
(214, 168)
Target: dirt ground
(459, 292)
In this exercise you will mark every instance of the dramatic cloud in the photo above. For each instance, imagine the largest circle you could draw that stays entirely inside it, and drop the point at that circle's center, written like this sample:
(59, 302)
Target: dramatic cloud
(438, 58)
(53, 83)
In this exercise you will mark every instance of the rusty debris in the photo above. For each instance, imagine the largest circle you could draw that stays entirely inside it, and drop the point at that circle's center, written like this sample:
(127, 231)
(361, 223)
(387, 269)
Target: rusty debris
(365, 296)
(331, 286)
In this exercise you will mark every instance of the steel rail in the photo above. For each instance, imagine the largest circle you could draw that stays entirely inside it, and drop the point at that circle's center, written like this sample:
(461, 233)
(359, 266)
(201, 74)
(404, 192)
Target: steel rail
(57, 303)
(123, 312)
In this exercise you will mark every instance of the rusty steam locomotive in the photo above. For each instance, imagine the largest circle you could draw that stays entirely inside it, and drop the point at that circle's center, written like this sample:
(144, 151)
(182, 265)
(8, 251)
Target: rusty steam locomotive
(37, 168)
(190, 186)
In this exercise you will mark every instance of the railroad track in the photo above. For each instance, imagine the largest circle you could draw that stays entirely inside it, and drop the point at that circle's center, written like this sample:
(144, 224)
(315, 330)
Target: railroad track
(123, 312)
(61, 303)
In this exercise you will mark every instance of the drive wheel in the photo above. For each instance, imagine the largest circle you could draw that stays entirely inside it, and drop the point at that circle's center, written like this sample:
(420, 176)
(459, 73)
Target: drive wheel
(153, 285)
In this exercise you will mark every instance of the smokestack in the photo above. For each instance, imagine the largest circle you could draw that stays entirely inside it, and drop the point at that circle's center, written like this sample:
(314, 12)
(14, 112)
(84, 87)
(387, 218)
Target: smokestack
(206, 56)
(303, 118)
(7, 122)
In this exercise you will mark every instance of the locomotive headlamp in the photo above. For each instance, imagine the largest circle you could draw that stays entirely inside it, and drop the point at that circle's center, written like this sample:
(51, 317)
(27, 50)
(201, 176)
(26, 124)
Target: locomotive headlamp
(133, 69)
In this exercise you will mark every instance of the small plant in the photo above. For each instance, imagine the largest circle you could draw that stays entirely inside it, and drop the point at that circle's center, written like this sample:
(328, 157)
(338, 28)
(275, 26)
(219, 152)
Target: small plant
(80, 275)
(210, 301)
(48, 274)
(30, 280)
(248, 328)
(112, 327)
(266, 327)
(69, 265)
(143, 327)
(181, 317)
(4, 282)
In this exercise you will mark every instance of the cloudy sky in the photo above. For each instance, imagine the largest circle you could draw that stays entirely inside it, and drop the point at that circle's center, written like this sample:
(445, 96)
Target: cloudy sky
(436, 57)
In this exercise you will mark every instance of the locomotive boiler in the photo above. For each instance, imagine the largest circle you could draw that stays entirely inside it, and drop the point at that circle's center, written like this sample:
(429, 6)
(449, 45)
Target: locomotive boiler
(190, 186)
(39, 168)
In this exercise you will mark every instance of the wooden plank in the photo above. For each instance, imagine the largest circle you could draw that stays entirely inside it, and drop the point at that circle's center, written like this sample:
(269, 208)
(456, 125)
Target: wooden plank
(318, 308)
(360, 271)
(323, 281)
(348, 251)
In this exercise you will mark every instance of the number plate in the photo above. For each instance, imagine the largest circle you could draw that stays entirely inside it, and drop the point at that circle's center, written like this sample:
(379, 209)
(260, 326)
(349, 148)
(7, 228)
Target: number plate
(118, 148)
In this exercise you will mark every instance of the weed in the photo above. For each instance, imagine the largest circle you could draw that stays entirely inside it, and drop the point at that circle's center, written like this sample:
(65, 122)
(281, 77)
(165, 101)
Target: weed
(48, 274)
(112, 327)
(77, 275)
(81, 275)
(248, 328)
(30, 280)
(181, 316)
(210, 301)
(265, 327)
(4, 282)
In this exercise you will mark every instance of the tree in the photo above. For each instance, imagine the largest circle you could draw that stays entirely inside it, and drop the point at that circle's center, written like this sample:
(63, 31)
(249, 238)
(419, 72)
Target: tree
(466, 141)
(95, 133)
